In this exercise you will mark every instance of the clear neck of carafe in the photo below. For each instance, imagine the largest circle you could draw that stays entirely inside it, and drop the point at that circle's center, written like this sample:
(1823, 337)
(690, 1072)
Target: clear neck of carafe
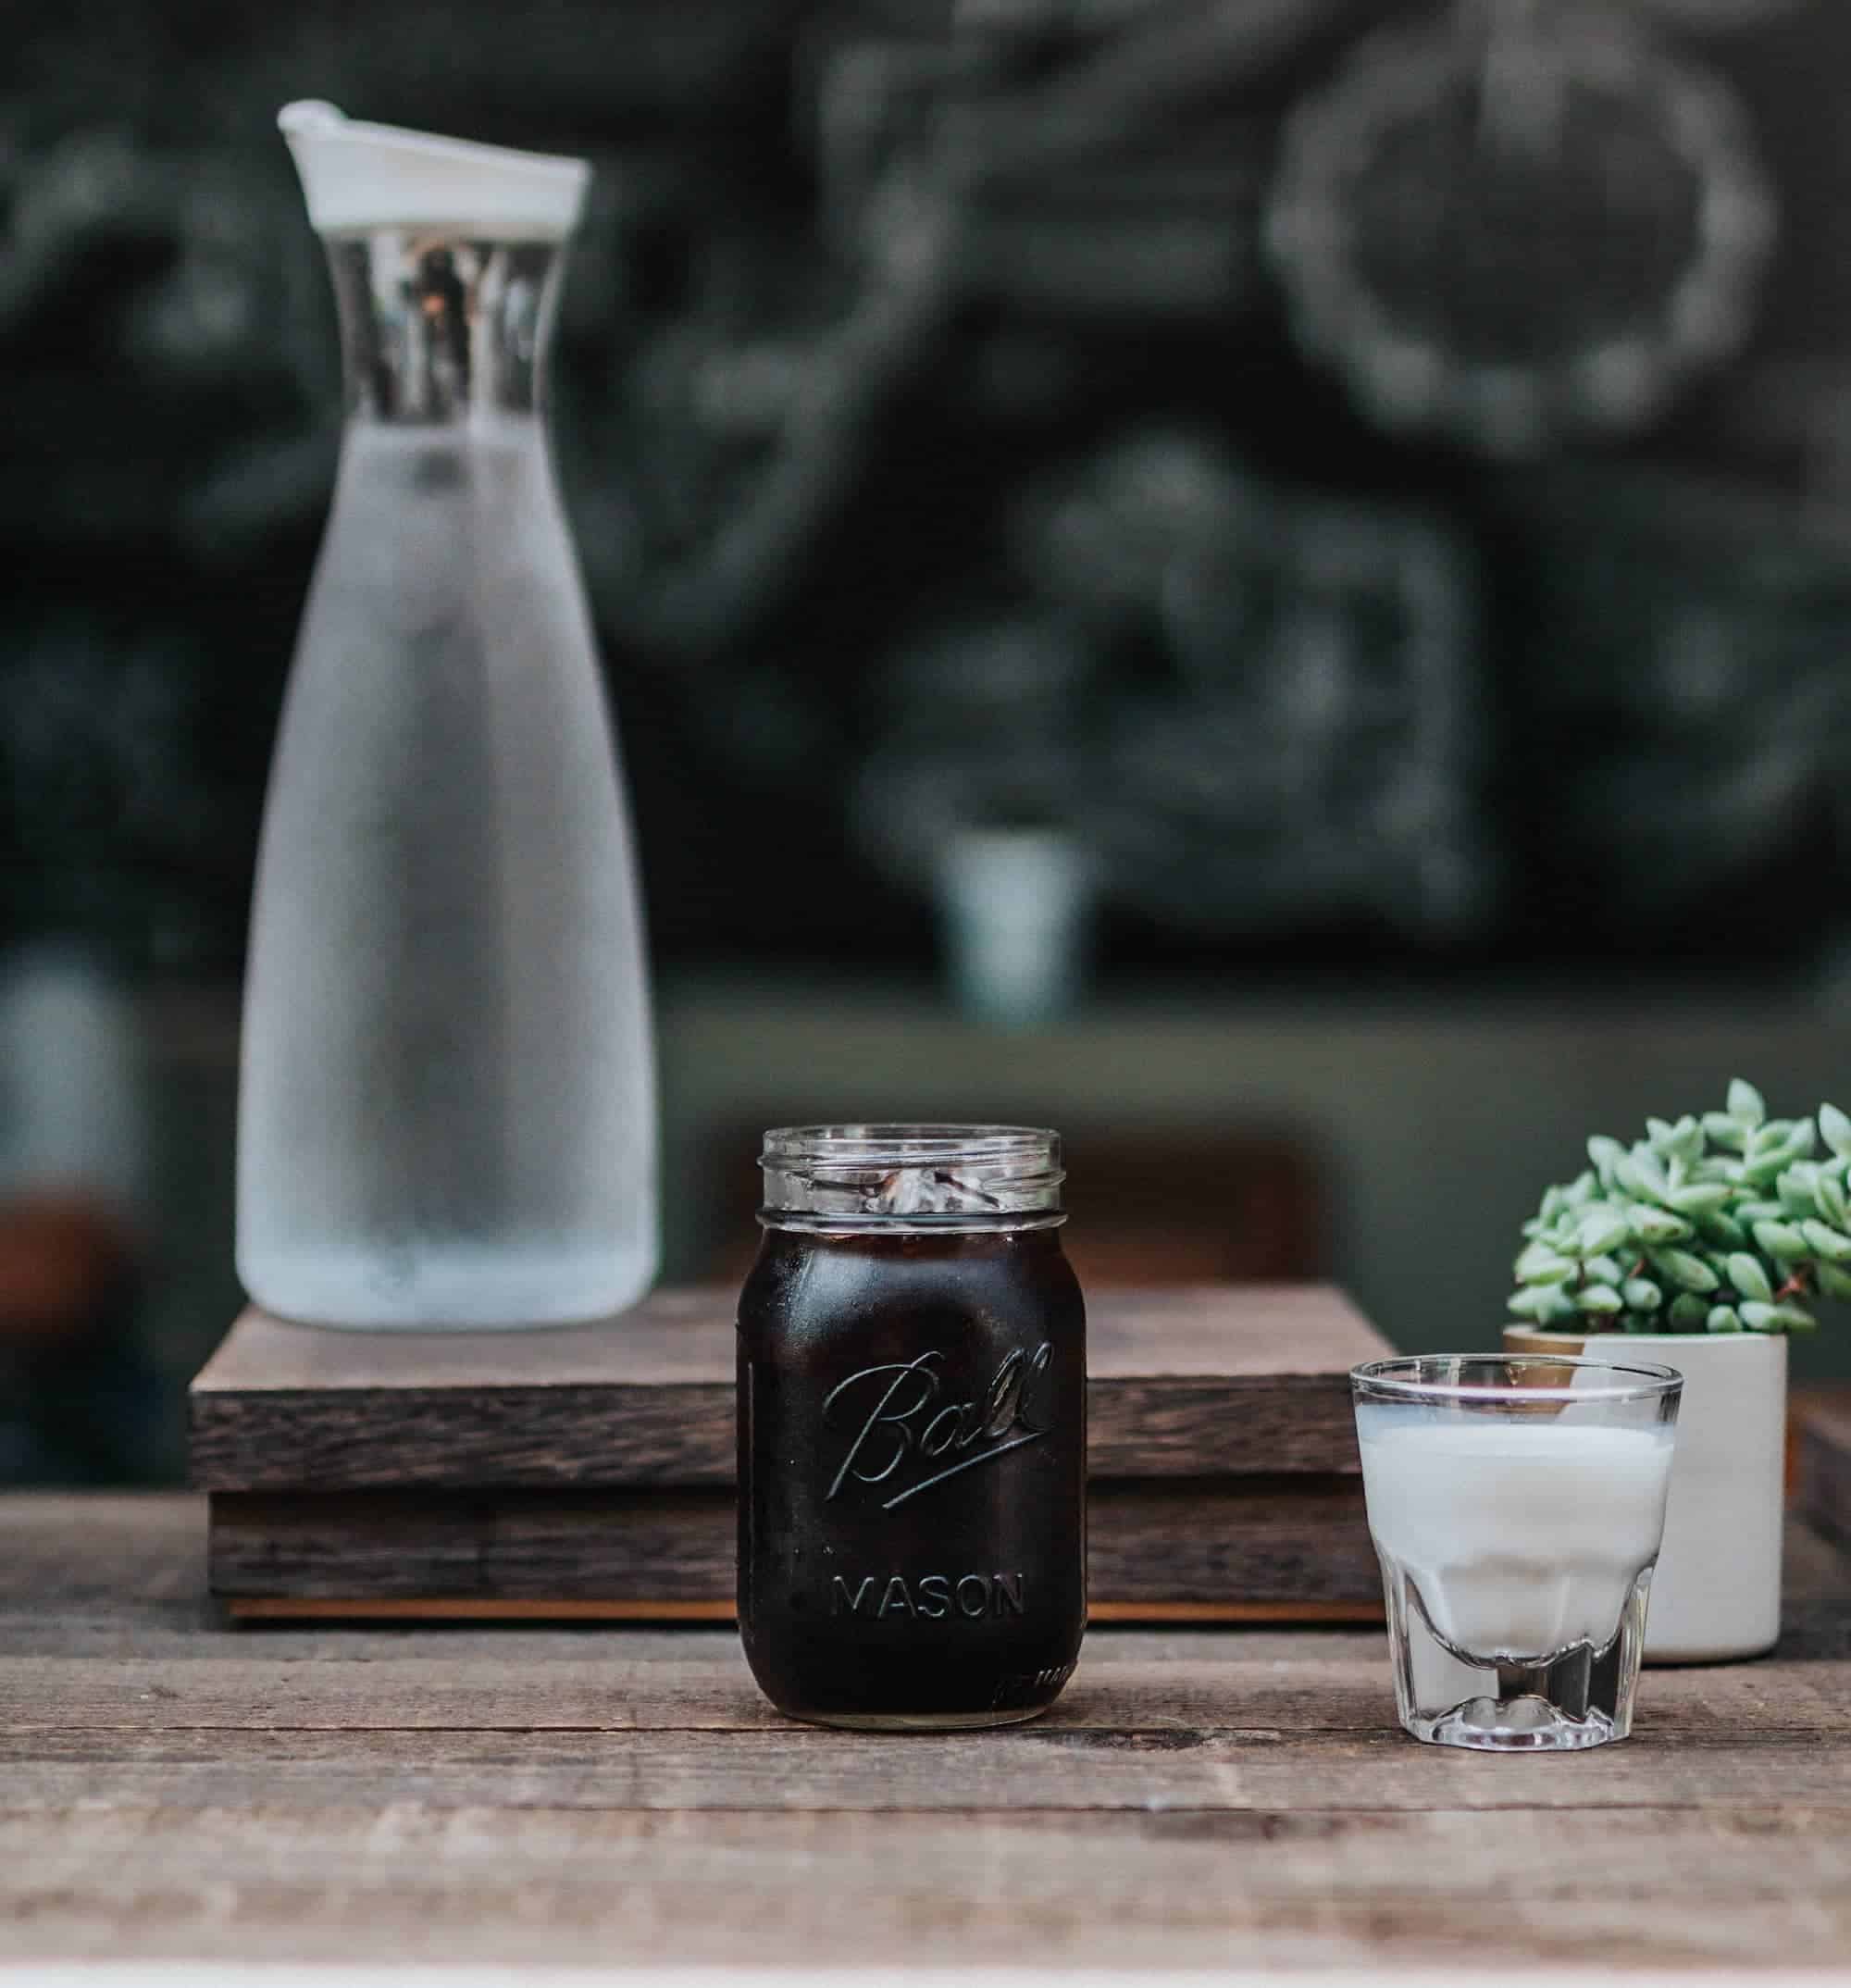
(445, 331)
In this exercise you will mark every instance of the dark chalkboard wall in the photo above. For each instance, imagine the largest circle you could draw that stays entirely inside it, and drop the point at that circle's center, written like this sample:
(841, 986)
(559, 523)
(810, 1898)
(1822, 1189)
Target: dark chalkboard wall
(944, 449)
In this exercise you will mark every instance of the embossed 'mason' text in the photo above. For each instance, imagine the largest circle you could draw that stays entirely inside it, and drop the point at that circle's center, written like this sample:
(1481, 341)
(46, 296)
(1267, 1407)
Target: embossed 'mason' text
(973, 1595)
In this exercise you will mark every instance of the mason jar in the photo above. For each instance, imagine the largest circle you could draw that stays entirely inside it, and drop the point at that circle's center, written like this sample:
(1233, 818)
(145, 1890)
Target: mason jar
(912, 1428)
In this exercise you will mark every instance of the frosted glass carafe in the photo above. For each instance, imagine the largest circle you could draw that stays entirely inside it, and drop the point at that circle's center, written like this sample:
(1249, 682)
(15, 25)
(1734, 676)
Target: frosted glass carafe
(447, 1113)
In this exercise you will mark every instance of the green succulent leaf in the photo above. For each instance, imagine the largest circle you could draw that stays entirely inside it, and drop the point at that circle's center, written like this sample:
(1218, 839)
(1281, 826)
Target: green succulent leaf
(1639, 1174)
(1804, 1138)
(1641, 1294)
(1604, 1151)
(1659, 1225)
(1724, 1318)
(1659, 1134)
(1698, 1199)
(1833, 1282)
(1724, 1131)
(1724, 1229)
(1794, 1189)
(1828, 1191)
(1602, 1269)
(1540, 1264)
(1603, 1229)
(1767, 1138)
(1687, 1272)
(1745, 1104)
(1827, 1243)
(1545, 1304)
(1746, 1275)
(1599, 1298)
(1581, 1190)
(1780, 1241)
(1689, 1311)
(1766, 1170)
(1835, 1129)
(1777, 1318)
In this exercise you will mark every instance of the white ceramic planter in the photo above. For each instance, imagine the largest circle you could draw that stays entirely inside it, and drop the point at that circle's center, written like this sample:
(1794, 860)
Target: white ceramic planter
(1717, 1591)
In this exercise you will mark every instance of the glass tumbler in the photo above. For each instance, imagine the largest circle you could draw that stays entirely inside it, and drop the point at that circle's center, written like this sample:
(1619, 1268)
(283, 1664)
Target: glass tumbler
(1516, 1502)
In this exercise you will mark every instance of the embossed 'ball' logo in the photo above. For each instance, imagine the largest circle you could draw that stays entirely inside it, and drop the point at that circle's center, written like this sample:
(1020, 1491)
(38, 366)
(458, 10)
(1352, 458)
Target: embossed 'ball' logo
(905, 1433)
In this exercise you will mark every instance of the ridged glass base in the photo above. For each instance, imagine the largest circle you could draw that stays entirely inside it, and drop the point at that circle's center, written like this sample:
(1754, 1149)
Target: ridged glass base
(1514, 1725)
(1577, 1697)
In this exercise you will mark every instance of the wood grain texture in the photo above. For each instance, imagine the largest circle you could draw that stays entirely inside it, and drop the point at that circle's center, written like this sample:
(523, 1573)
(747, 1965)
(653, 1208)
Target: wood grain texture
(1204, 1797)
(682, 1337)
(1236, 1380)
(1822, 1490)
(1283, 1541)
(673, 1546)
(519, 1681)
(334, 1609)
(1009, 1769)
(1741, 1889)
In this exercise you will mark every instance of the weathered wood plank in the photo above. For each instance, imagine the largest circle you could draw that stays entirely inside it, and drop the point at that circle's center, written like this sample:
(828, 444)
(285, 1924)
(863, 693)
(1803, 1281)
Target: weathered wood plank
(1198, 1798)
(684, 1337)
(1823, 1445)
(676, 1681)
(1017, 1768)
(1658, 1887)
(1287, 1540)
(1222, 1379)
(674, 1544)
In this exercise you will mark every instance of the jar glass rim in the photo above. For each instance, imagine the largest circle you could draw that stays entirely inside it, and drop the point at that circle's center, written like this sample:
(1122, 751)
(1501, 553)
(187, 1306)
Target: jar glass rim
(898, 1144)
(930, 1175)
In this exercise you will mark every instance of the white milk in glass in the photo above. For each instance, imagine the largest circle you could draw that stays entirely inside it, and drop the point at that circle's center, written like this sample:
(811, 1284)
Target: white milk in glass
(1522, 1537)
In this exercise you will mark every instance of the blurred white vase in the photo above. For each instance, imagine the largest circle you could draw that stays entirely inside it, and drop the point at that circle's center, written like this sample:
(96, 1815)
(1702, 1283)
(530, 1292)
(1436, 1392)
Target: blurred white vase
(1015, 906)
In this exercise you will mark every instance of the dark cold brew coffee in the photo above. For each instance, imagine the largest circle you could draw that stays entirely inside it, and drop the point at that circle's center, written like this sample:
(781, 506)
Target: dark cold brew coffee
(911, 1376)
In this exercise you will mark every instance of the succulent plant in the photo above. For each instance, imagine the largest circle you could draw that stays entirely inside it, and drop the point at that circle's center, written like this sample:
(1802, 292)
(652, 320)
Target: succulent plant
(1722, 1223)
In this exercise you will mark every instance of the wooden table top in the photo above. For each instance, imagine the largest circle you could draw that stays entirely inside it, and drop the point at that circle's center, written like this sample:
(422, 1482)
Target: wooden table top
(169, 1787)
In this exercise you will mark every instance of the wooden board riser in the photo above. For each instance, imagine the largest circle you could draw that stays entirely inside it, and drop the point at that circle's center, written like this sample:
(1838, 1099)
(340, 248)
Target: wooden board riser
(684, 1437)
(283, 1608)
(593, 1467)
(1229, 1380)
(1283, 1542)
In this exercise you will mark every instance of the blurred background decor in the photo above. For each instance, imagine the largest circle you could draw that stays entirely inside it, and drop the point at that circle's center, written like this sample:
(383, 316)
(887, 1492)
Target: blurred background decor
(1527, 222)
(974, 466)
